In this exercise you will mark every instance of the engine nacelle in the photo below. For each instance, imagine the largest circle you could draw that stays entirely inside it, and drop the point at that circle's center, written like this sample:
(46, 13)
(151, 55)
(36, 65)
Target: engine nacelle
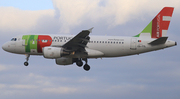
(52, 52)
(64, 61)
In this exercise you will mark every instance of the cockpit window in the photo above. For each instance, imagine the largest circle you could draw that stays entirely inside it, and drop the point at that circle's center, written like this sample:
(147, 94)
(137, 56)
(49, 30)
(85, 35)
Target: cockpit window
(13, 39)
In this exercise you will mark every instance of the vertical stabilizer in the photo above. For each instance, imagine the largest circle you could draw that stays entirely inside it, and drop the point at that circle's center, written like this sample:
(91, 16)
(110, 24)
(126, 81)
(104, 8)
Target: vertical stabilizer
(159, 25)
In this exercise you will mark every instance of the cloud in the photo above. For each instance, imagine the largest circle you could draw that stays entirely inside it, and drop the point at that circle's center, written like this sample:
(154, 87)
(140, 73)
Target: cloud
(2, 68)
(71, 14)
(86, 80)
(112, 13)
(13, 19)
(18, 86)
(2, 86)
(60, 90)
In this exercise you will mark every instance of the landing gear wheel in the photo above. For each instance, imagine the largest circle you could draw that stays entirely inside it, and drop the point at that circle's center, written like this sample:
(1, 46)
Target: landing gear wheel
(26, 63)
(27, 58)
(79, 63)
(86, 67)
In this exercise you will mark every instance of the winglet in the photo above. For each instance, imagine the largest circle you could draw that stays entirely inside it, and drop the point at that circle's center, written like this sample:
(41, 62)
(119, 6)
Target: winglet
(90, 30)
(158, 41)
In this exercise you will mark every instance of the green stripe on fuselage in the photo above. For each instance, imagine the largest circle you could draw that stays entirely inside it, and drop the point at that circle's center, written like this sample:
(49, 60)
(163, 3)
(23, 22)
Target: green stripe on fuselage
(30, 42)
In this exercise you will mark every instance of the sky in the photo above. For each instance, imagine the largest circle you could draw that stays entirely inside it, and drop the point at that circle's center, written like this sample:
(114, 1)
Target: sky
(145, 76)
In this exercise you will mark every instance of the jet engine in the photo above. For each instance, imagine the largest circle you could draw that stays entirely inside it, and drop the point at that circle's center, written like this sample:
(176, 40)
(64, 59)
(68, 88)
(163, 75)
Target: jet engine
(52, 52)
(64, 61)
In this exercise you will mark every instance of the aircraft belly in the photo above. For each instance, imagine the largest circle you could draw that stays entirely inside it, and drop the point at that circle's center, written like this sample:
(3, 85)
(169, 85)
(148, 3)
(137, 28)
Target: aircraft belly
(109, 50)
(94, 53)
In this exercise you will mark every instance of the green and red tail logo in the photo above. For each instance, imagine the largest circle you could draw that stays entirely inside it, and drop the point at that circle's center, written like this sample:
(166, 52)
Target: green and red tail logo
(159, 25)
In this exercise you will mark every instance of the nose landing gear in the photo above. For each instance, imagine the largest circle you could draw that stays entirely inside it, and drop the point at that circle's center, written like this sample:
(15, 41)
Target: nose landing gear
(26, 63)
(27, 58)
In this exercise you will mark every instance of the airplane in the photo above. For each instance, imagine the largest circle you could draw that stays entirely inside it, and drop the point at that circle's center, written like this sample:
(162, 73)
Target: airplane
(69, 49)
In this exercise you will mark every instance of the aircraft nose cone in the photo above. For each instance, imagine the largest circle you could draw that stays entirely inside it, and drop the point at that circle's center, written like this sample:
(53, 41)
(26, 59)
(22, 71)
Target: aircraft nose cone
(4, 47)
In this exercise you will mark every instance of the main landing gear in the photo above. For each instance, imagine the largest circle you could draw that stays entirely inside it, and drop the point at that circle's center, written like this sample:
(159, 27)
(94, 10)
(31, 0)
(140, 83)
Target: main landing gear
(27, 58)
(80, 64)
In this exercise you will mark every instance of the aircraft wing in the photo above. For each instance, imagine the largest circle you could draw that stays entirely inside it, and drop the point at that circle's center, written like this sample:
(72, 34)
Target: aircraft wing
(79, 42)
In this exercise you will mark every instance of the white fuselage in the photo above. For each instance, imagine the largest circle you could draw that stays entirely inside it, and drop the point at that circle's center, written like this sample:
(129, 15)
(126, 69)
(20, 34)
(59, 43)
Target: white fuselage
(110, 46)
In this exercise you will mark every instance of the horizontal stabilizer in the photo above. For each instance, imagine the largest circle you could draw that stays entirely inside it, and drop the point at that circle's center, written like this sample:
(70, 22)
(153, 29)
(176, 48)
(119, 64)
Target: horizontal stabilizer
(158, 41)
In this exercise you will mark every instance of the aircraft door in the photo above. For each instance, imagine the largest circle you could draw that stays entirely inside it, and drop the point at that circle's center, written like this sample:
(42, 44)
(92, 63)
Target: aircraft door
(133, 44)
(25, 42)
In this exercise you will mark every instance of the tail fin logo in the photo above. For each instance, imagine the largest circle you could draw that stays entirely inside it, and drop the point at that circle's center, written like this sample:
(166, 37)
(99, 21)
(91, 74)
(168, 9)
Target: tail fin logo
(159, 25)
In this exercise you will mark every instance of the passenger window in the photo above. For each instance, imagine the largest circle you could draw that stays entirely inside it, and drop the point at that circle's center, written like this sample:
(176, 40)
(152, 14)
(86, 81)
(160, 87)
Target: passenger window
(15, 39)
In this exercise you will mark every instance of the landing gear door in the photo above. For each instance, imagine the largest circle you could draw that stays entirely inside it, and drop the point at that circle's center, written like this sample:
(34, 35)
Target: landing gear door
(133, 44)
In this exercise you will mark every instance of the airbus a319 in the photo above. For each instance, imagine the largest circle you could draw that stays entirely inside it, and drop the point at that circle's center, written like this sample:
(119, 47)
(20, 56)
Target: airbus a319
(68, 49)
